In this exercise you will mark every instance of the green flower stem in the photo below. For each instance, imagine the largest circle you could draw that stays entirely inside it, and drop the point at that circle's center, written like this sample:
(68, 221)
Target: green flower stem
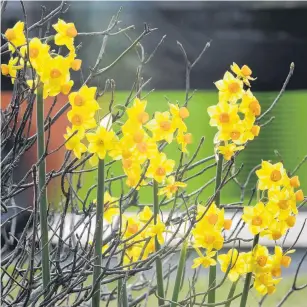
(122, 298)
(179, 273)
(212, 270)
(98, 235)
(159, 272)
(43, 203)
(248, 279)
(231, 293)
(119, 286)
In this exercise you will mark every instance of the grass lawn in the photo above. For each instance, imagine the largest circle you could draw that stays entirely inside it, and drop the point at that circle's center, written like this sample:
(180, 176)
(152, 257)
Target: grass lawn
(297, 298)
(287, 134)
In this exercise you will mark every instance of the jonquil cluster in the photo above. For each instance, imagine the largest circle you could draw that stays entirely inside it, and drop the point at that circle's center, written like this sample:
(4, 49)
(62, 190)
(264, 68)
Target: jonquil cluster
(42, 64)
(236, 112)
(207, 234)
(138, 231)
(276, 210)
(140, 142)
(271, 217)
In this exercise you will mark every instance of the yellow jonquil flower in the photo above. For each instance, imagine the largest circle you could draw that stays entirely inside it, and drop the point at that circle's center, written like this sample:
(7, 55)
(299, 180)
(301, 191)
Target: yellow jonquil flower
(131, 226)
(235, 133)
(135, 145)
(55, 74)
(11, 68)
(133, 171)
(257, 218)
(260, 261)
(162, 127)
(282, 202)
(38, 53)
(66, 32)
(73, 142)
(84, 98)
(130, 164)
(223, 115)
(160, 167)
(149, 248)
(184, 140)
(137, 116)
(15, 36)
(133, 177)
(230, 88)
(179, 114)
(271, 175)
(244, 73)
(145, 215)
(157, 230)
(101, 141)
(202, 260)
(132, 254)
(234, 262)
(147, 149)
(137, 113)
(213, 217)
(280, 259)
(208, 238)
(134, 134)
(265, 284)
(276, 229)
(81, 120)
(241, 137)
(110, 207)
(171, 187)
(229, 150)
(250, 104)
(122, 150)
(140, 231)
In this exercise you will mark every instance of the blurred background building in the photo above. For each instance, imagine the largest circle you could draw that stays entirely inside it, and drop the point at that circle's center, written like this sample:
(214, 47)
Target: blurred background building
(268, 35)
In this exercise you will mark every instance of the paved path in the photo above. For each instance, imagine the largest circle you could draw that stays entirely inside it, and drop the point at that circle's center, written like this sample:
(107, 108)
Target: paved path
(292, 236)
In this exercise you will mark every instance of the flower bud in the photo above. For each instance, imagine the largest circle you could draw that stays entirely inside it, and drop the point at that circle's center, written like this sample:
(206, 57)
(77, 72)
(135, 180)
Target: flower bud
(291, 220)
(227, 224)
(295, 182)
(10, 34)
(255, 130)
(246, 71)
(76, 64)
(299, 195)
(5, 69)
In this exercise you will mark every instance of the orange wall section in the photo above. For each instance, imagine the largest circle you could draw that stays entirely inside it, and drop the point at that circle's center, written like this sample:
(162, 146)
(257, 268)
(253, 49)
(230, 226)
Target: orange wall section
(54, 161)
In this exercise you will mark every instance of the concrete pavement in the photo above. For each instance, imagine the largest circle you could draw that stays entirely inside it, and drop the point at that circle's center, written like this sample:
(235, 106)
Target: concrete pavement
(296, 235)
